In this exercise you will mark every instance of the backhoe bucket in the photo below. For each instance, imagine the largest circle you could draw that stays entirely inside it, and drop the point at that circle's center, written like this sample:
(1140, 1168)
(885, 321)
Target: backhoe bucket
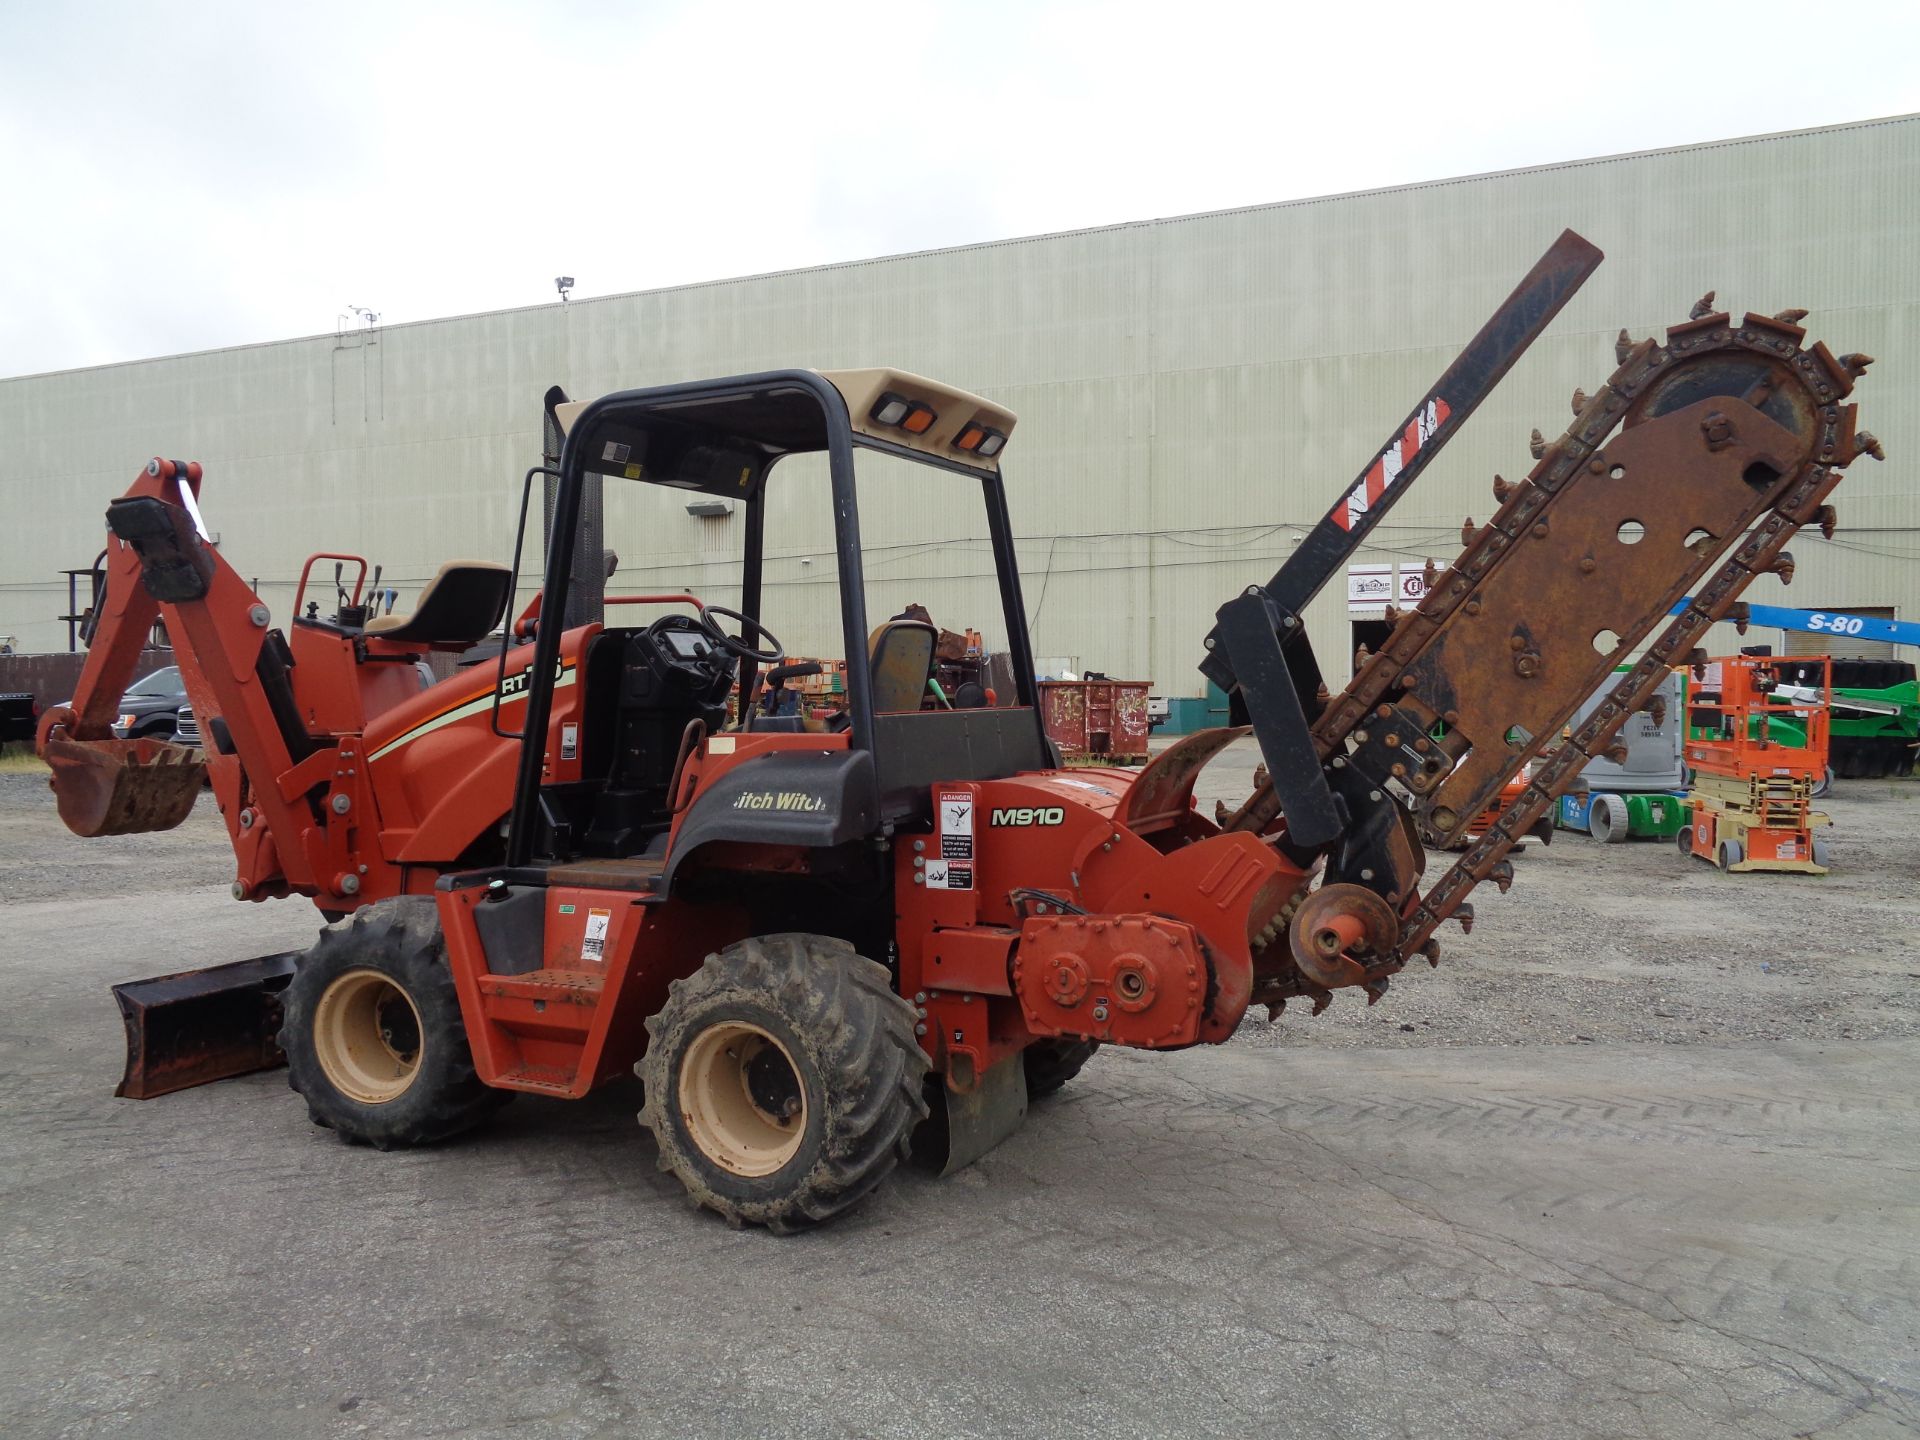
(202, 1025)
(123, 787)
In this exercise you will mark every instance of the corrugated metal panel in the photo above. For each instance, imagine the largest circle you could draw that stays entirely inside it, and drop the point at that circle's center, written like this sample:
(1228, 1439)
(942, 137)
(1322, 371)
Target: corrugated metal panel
(1192, 392)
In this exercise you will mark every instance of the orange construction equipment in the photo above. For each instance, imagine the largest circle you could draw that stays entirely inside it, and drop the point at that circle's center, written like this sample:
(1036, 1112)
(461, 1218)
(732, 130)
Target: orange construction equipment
(825, 946)
(1511, 793)
(1751, 800)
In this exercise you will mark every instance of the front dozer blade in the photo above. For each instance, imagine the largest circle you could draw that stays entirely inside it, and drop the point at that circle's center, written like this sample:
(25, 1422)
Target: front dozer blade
(202, 1025)
(123, 787)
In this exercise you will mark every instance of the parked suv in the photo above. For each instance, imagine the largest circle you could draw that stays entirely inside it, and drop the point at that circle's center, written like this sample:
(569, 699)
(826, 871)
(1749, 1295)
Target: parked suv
(149, 708)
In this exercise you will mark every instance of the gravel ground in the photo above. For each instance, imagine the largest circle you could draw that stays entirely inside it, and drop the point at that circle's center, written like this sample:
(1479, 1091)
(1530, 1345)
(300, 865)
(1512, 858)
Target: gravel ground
(1594, 944)
(1544, 1209)
(1636, 943)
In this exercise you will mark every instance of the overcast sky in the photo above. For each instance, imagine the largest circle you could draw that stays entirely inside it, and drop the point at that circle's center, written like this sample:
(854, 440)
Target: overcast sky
(190, 175)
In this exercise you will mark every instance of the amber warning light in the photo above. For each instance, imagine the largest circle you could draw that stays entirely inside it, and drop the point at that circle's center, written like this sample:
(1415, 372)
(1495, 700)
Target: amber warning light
(909, 415)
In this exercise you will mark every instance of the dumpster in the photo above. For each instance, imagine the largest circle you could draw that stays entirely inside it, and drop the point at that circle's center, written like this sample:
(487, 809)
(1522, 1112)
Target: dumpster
(1097, 722)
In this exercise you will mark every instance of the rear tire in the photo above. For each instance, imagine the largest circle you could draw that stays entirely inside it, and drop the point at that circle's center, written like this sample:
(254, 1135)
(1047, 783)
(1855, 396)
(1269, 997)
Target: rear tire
(374, 1038)
(783, 1080)
(1731, 853)
(1052, 1063)
(1608, 820)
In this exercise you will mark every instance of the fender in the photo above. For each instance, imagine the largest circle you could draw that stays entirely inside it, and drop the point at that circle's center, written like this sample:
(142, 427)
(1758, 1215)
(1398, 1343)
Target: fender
(783, 797)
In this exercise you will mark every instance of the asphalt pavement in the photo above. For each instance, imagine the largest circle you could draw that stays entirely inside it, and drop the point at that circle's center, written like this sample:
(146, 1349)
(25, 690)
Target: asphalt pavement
(1569, 1240)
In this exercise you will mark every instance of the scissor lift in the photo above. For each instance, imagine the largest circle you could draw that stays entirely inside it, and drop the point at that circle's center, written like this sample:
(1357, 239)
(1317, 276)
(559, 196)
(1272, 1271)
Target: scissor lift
(1750, 805)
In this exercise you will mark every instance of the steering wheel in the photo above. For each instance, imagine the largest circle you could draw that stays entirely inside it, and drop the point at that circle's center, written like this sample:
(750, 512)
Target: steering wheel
(736, 645)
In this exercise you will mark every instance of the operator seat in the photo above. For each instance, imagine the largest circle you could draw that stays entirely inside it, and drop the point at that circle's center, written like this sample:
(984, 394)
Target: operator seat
(900, 655)
(459, 606)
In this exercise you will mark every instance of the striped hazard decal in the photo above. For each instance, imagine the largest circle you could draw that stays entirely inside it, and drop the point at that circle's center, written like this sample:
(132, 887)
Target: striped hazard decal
(1385, 470)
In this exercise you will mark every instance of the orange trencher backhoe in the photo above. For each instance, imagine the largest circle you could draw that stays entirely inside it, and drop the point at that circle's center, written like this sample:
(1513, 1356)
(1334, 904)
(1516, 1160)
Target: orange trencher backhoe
(821, 948)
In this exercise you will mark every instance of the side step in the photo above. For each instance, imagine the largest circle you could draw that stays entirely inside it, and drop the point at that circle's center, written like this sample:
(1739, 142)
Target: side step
(198, 1026)
(539, 1026)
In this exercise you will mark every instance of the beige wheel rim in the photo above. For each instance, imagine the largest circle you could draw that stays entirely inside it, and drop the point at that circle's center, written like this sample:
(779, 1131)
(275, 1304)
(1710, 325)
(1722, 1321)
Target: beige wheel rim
(368, 1037)
(742, 1100)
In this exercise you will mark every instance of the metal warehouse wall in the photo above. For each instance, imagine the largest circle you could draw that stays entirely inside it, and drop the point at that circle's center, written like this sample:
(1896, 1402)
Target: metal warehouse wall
(1192, 394)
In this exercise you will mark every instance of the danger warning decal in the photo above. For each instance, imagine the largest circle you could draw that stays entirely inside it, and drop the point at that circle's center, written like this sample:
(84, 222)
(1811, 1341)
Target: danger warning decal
(956, 826)
(1385, 470)
(954, 869)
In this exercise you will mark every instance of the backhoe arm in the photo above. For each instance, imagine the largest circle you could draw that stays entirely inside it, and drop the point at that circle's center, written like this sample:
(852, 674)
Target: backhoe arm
(159, 565)
(101, 785)
(121, 624)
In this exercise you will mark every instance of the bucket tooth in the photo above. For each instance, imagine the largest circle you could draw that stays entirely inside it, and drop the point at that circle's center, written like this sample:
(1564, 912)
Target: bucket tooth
(1622, 347)
(1579, 400)
(1467, 531)
(1502, 488)
(1791, 316)
(1537, 443)
(1855, 363)
(1829, 518)
(1867, 443)
(1702, 307)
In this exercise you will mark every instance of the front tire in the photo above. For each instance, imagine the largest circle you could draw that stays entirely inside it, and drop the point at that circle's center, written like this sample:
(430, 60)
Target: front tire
(783, 1080)
(373, 1034)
